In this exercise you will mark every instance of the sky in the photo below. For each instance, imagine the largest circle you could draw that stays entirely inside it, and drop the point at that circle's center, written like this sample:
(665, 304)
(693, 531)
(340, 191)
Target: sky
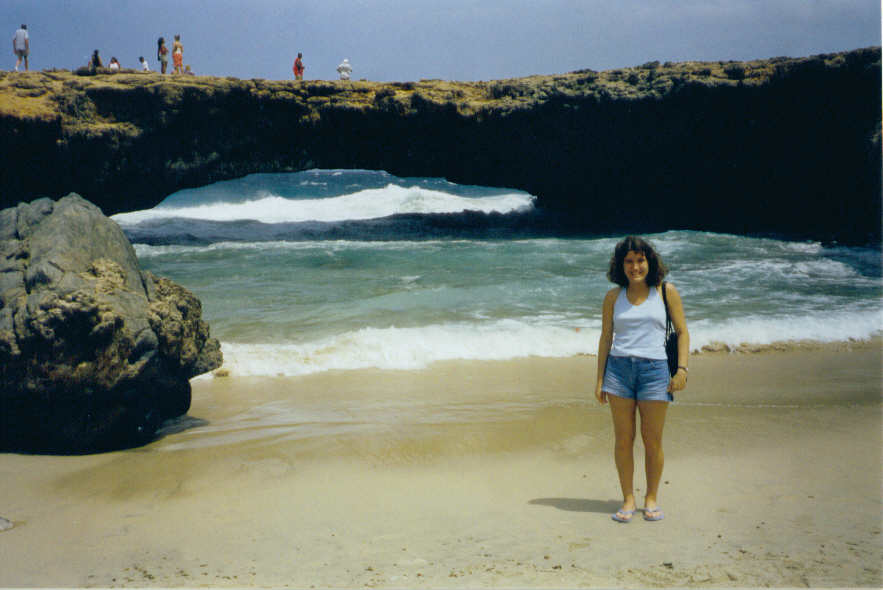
(403, 40)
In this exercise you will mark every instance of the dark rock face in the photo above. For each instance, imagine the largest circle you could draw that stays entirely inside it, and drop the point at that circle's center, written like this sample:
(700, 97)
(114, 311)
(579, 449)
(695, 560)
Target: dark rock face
(94, 353)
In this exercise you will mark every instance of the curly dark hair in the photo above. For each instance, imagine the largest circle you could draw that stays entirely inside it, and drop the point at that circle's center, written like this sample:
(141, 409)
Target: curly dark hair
(657, 270)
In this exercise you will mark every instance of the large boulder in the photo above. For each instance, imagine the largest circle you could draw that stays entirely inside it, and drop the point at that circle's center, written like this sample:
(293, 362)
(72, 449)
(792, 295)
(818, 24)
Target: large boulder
(94, 353)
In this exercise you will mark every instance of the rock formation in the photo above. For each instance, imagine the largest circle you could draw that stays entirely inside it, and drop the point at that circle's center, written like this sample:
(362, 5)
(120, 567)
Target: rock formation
(94, 353)
(787, 146)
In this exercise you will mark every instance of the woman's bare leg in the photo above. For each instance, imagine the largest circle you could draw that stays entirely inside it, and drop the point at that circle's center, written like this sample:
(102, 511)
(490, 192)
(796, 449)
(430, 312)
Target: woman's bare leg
(652, 422)
(623, 412)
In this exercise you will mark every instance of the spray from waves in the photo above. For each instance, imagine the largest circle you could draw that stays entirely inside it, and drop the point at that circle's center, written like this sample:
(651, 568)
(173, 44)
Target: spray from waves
(815, 327)
(415, 348)
(146, 251)
(361, 205)
(404, 348)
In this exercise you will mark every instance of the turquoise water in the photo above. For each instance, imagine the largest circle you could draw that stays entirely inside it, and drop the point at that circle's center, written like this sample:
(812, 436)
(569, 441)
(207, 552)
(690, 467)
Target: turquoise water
(331, 269)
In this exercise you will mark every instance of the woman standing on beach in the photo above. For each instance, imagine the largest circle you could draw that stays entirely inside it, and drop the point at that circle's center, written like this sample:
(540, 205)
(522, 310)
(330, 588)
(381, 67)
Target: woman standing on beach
(633, 373)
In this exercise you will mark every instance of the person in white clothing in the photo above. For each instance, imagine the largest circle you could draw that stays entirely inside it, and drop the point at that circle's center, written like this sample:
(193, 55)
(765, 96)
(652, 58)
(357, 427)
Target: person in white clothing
(345, 69)
(144, 66)
(633, 371)
(21, 46)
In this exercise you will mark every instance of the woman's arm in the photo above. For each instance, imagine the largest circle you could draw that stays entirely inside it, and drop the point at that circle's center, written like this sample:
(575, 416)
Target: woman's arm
(605, 341)
(679, 321)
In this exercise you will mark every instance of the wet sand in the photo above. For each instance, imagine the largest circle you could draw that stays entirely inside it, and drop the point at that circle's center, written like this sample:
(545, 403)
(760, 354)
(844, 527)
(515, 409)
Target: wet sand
(469, 474)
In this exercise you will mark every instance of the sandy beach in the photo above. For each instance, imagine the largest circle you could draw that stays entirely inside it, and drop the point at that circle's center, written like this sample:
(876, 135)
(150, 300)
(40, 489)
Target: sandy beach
(772, 478)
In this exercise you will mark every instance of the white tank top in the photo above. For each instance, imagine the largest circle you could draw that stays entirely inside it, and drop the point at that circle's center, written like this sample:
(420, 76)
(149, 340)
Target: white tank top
(639, 330)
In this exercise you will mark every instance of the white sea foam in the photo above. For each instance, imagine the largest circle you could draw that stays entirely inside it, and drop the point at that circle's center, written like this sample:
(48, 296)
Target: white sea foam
(364, 204)
(408, 348)
(817, 269)
(544, 336)
(817, 327)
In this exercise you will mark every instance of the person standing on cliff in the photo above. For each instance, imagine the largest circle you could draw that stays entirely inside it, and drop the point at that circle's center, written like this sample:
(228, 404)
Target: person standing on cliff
(95, 61)
(21, 46)
(345, 69)
(298, 67)
(162, 54)
(178, 55)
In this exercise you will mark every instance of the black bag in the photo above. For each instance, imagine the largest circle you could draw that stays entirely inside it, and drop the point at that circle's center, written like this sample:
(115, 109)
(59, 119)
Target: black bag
(671, 338)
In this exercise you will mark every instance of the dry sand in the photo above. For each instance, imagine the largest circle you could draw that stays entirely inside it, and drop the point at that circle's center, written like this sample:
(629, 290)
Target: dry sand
(773, 477)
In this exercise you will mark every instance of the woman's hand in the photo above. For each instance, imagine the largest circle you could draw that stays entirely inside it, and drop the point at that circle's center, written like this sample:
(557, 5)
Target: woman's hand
(679, 381)
(600, 395)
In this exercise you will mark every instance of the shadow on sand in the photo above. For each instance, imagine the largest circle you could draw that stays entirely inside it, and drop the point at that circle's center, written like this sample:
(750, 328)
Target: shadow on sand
(179, 424)
(579, 504)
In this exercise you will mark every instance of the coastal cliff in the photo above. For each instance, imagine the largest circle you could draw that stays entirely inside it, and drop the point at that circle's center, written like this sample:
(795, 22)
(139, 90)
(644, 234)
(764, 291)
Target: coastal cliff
(783, 146)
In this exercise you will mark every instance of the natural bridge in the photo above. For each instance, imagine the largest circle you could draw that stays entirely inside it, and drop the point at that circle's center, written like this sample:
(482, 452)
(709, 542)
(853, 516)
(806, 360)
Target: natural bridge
(783, 146)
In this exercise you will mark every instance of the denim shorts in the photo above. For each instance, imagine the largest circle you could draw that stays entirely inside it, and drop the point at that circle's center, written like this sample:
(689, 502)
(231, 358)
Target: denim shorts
(637, 378)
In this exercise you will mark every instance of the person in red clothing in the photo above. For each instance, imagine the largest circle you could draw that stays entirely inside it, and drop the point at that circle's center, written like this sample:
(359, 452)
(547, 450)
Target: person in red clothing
(178, 55)
(298, 67)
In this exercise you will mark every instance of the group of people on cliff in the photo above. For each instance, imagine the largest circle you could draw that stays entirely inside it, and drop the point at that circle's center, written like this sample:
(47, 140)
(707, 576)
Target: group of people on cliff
(162, 55)
(344, 70)
(21, 48)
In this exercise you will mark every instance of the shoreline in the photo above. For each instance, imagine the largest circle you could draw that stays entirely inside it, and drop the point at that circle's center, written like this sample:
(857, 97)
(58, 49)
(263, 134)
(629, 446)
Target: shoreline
(472, 474)
(874, 342)
(713, 349)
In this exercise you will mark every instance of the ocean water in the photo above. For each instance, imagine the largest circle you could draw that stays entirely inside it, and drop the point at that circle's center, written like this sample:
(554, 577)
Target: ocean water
(322, 270)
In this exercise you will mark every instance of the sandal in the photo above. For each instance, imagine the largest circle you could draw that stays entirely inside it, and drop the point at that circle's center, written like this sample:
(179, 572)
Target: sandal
(657, 512)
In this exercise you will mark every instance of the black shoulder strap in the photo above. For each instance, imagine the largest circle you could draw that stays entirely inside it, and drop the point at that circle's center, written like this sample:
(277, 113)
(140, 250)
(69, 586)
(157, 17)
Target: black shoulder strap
(667, 315)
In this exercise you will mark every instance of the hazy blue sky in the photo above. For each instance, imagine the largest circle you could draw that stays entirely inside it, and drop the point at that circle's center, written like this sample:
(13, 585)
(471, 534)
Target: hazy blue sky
(450, 39)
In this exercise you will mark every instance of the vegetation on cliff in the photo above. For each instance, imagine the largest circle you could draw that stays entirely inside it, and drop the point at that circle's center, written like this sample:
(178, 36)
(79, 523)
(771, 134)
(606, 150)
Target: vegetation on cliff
(783, 145)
